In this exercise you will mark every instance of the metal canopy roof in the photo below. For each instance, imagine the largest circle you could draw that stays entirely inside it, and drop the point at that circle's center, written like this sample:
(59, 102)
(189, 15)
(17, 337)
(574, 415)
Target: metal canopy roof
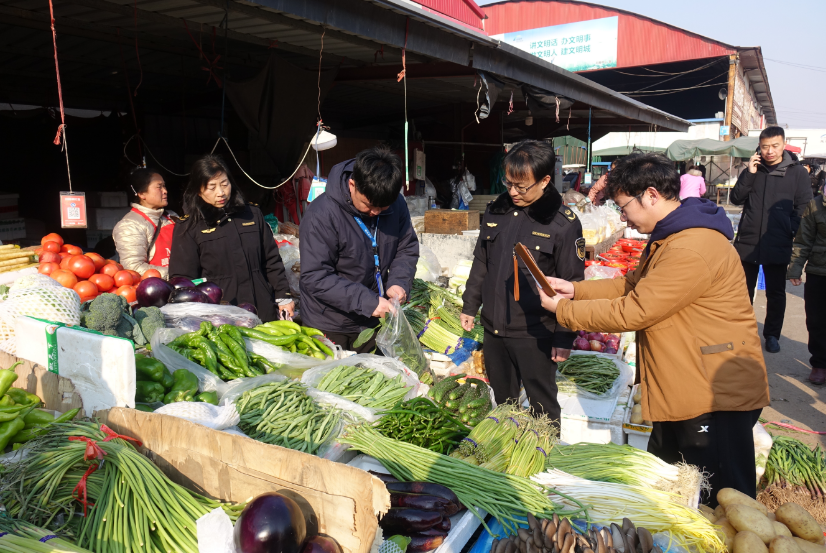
(99, 42)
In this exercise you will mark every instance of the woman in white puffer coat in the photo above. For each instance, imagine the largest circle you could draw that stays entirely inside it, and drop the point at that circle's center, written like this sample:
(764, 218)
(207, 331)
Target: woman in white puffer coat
(141, 243)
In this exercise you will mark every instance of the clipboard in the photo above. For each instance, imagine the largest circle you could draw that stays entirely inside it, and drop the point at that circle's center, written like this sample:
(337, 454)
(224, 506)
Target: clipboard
(525, 255)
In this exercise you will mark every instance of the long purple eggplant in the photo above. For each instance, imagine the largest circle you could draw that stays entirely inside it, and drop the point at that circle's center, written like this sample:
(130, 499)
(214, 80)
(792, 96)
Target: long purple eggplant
(423, 502)
(386, 478)
(433, 532)
(420, 543)
(443, 526)
(409, 521)
(425, 488)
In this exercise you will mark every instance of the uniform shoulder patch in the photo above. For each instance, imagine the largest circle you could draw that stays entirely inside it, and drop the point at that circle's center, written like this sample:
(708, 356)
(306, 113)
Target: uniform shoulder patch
(253, 203)
(183, 217)
(569, 214)
(580, 248)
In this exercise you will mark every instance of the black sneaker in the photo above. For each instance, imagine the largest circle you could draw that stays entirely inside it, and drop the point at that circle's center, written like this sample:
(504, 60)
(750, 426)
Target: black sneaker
(772, 345)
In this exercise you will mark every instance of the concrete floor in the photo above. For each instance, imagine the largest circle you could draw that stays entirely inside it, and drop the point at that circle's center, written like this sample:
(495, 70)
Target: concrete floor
(794, 400)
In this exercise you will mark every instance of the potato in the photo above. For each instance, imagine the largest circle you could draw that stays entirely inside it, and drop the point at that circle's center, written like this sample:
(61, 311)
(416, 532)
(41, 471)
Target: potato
(706, 509)
(730, 496)
(636, 418)
(783, 544)
(800, 522)
(748, 542)
(771, 517)
(709, 516)
(719, 512)
(745, 518)
(809, 547)
(781, 529)
(727, 530)
(636, 409)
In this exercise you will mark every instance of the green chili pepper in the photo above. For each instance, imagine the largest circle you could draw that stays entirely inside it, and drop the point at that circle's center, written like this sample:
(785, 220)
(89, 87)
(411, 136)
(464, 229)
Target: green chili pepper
(284, 324)
(309, 331)
(208, 397)
(22, 397)
(8, 430)
(38, 416)
(6, 401)
(147, 391)
(144, 407)
(239, 354)
(24, 435)
(184, 389)
(323, 347)
(7, 378)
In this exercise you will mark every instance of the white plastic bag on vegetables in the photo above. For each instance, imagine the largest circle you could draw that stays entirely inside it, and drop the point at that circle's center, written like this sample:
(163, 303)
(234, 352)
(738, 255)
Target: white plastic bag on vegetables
(35, 297)
(625, 378)
(762, 447)
(289, 364)
(599, 272)
(215, 532)
(173, 313)
(207, 382)
(290, 256)
(397, 340)
(390, 368)
(428, 267)
(206, 414)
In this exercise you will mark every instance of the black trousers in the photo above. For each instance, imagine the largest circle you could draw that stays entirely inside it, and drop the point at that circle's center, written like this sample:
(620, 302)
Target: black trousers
(814, 296)
(509, 361)
(775, 276)
(346, 341)
(720, 443)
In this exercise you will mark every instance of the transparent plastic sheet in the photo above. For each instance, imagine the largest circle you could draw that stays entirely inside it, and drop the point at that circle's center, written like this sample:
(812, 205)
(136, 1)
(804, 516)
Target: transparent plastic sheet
(205, 414)
(290, 364)
(290, 257)
(229, 392)
(428, 267)
(207, 382)
(599, 272)
(390, 368)
(398, 341)
(216, 314)
(625, 378)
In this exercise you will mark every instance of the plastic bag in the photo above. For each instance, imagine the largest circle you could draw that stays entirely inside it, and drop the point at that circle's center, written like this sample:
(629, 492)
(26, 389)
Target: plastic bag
(291, 258)
(598, 272)
(207, 382)
(216, 314)
(625, 378)
(290, 364)
(762, 447)
(428, 267)
(398, 341)
(215, 532)
(390, 368)
(206, 414)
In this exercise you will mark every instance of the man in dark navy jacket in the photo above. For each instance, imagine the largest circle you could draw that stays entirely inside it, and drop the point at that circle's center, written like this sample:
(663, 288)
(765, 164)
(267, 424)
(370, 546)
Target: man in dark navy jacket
(358, 248)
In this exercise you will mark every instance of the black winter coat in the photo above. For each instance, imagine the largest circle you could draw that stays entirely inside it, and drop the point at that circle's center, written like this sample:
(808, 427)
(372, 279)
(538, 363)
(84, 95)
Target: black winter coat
(338, 286)
(237, 251)
(553, 234)
(773, 201)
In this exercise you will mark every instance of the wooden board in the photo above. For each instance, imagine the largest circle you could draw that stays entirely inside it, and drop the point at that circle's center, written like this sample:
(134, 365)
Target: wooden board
(450, 221)
(58, 393)
(591, 252)
(341, 501)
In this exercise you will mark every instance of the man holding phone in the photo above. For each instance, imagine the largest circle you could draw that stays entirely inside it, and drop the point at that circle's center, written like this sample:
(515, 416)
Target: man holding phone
(774, 190)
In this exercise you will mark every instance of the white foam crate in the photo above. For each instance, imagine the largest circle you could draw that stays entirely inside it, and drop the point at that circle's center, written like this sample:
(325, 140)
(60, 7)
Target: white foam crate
(462, 525)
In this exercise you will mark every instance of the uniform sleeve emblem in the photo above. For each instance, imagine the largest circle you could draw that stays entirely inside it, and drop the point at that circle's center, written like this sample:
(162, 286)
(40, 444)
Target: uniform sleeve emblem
(580, 248)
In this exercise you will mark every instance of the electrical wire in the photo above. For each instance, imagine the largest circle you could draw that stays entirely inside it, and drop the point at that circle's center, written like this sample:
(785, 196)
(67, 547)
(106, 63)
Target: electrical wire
(815, 68)
(676, 76)
(700, 85)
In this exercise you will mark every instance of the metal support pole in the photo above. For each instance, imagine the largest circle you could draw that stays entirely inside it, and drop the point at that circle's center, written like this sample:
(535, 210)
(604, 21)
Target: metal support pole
(588, 163)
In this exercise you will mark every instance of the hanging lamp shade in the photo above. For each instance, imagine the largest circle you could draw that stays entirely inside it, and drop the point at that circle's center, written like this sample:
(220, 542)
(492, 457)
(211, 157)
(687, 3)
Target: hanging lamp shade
(323, 141)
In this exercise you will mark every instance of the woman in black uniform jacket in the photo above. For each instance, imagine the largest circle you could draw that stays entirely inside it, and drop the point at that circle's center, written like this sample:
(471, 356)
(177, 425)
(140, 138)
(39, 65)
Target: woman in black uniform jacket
(225, 240)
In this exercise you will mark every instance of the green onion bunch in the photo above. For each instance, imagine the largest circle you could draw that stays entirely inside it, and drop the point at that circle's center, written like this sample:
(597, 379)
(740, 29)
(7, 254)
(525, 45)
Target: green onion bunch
(792, 463)
(22, 537)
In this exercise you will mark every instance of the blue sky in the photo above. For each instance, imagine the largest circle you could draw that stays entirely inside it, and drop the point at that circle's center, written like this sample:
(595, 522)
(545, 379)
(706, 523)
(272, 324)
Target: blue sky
(788, 32)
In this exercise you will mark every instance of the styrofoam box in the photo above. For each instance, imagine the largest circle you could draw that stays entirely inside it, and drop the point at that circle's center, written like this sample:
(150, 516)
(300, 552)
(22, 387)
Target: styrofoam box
(638, 434)
(107, 217)
(8, 206)
(576, 430)
(462, 525)
(113, 199)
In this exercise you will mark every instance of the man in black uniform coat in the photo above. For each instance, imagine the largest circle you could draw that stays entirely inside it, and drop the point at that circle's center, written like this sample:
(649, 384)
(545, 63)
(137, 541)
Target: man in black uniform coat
(523, 341)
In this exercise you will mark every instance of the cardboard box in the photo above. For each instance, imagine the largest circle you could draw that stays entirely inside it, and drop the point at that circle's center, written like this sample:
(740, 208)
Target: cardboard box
(450, 221)
(340, 501)
(57, 392)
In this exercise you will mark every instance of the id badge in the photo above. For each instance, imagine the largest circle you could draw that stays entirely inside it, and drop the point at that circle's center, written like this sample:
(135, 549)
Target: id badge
(381, 286)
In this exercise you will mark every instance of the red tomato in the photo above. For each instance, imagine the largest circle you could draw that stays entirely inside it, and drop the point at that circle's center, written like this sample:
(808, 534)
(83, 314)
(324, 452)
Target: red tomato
(49, 257)
(74, 250)
(84, 288)
(38, 251)
(52, 237)
(82, 266)
(103, 282)
(110, 262)
(47, 268)
(123, 278)
(110, 269)
(136, 277)
(53, 247)
(127, 292)
(97, 259)
(151, 273)
(65, 261)
(66, 278)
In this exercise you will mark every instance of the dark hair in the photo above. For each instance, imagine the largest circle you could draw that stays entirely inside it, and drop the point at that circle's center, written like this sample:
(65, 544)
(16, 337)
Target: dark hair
(379, 175)
(137, 182)
(530, 157)
(771, 132)
(635, 173)
(200, 174)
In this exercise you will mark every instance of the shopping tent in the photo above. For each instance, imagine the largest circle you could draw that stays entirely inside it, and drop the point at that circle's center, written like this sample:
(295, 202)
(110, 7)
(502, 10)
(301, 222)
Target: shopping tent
(625, 150)
(682, 150)
(793, 149)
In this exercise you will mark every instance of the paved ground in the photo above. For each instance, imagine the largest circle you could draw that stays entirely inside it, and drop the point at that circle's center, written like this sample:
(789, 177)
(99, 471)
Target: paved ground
(794, 399)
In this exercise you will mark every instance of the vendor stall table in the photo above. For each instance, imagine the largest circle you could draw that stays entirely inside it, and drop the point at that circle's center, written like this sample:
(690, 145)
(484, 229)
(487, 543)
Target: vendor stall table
(591, 252)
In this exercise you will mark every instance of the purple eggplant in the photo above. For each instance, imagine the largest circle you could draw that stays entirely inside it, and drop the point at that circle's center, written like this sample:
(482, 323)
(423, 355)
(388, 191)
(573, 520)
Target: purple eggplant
(408, 521)
(423, 502)
(386, 478)
(420, 543)
(443, 526)
(433, 532)
(425, 488)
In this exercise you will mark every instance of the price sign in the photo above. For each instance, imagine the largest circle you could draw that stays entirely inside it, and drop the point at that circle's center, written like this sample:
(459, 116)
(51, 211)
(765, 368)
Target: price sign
(73, 210)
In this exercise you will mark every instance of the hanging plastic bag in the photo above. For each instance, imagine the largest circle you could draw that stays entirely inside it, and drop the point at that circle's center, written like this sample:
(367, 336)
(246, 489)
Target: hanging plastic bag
(398, 341)
(173, 313)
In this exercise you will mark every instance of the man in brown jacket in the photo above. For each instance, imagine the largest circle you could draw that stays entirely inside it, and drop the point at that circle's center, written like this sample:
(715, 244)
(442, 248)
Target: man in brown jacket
(701, 368)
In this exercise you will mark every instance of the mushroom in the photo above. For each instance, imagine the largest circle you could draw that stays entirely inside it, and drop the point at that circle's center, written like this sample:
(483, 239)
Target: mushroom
(618, 539)
(561, 534)
(532, 523)
(600, 543)
(631, 540)
(568, 544)
(646, 540)
(606, 537)
(626, 525)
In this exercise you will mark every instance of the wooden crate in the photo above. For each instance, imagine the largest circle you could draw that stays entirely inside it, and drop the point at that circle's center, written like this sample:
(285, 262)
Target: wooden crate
(450, 221)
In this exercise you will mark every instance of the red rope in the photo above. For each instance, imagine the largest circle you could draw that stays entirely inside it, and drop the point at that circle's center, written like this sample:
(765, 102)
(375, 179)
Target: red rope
(111, 435)
(93, 450)
(790, 427)
(61, 129)
(137, 53)
(404, 51)
(211, 64)
(81, 492)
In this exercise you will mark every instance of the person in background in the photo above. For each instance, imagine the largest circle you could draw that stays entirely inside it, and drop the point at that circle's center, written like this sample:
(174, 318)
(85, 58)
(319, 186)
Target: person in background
(597, 192)
(523, 343)
(773, 191)
(225, 240)
(358, 248)
(143, 238)
(701, 371)
(692, 184)
(809, 250)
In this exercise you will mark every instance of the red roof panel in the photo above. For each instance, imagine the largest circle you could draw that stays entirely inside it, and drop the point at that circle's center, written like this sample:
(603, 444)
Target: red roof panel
(464, 11)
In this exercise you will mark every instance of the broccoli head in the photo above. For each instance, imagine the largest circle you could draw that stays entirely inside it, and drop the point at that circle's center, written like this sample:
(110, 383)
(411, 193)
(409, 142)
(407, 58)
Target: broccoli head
(150, 319)
(105, 313)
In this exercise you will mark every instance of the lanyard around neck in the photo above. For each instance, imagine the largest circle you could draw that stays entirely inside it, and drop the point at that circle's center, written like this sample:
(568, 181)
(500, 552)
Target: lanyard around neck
(375, 246)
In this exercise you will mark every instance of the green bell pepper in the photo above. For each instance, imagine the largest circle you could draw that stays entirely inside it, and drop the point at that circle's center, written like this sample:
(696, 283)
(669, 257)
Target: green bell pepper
(38, 416)
(149, 369)
(6, 401)
(185, 387)
(208, 397)
(25, 434)
(22, 397)
(167, 381)
(148, 392)
(7, 378)
(144, 407)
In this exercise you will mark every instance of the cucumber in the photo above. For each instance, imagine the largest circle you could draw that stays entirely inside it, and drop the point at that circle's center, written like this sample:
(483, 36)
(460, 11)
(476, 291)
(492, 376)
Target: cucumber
(450, 404)
(456, 393)
(471, 395)
(474, 422)
(465, 418)
(477, 413)
(440, 392)
(479, 402)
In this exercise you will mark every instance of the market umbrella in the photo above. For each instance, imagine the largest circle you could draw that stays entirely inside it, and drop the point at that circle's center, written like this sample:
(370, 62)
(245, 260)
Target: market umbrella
(682, 150)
